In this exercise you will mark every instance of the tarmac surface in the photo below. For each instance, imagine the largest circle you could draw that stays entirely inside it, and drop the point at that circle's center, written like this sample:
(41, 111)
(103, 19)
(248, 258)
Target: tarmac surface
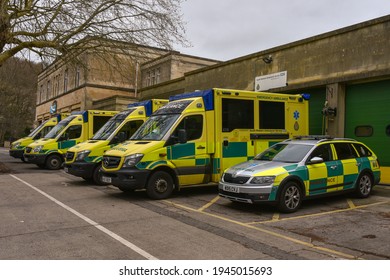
(52, 215)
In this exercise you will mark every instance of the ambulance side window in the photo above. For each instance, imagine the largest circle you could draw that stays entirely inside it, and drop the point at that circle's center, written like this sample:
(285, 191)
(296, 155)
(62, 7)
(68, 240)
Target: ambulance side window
(323, 151)
(72, 132)
(363, 151)
(345, 151)
(237, 113)
(129, 128)
(272, 115)
(193, 125)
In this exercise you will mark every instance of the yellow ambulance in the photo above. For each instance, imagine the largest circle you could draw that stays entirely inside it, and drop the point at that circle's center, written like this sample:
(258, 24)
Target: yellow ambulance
(18, 146)
(49, 152)
(84, 159)
(196, 136)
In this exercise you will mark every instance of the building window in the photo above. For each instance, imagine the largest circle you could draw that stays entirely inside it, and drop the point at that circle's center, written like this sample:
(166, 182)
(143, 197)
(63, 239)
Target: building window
(364, 131)
(40, 95)
(153, 77)
(56, 85)
(157, 75)
(66, 80)
(77, 77)
(148, 78)
(48, 94)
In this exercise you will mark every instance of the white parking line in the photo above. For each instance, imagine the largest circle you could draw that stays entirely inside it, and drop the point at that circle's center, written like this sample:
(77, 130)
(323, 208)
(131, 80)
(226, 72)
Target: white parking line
(91, 222)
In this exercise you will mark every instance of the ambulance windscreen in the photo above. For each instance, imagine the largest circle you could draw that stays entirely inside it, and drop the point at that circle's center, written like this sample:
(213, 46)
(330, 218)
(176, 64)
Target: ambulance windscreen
(109, 127)
(155, 127)
(175, 107)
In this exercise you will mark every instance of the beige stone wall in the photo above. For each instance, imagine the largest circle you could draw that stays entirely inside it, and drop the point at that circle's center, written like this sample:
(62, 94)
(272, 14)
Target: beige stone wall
(359, 52)
(78, 84)
(170, 67)
(65, 104)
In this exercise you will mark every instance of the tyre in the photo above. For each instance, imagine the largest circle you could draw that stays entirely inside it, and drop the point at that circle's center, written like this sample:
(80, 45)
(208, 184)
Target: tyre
(364, 185)
(160, 185)
(96, 176)
(53, 162)
(290, 197)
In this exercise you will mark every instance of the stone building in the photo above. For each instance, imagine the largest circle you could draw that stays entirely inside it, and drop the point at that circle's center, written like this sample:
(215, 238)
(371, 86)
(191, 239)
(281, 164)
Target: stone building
(94, 79)
(107, 80)
(346, 71)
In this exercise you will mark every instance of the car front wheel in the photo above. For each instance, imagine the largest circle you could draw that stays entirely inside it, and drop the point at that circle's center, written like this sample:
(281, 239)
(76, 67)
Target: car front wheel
(290, 198)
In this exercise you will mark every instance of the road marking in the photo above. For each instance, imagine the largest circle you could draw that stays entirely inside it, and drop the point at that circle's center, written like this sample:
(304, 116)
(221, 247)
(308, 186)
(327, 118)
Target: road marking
(350, 203)
(215, 199)
(319, 214)
(275, 234)
(275, 217)
(91, 222)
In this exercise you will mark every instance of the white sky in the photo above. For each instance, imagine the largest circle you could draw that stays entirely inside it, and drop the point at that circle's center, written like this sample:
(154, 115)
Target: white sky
(227, 29)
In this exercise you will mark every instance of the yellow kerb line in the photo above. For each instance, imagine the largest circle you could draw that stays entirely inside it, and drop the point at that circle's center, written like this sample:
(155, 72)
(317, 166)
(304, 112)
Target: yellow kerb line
(318, 214)
(297, 241)
(215, 199)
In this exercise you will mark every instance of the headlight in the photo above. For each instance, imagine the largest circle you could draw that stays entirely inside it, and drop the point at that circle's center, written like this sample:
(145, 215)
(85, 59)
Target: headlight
(132, 160)
(37, 149)
(16, 145)
(263, 180)
(82, 155)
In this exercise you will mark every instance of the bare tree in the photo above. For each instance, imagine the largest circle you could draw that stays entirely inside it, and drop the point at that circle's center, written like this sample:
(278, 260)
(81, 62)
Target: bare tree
(50, 28)
(17, 94)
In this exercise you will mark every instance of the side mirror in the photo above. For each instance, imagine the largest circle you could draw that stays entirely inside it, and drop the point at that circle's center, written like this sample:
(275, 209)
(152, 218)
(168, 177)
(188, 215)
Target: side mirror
(64, 137)
(182, 136)
(315, 160)
(120, 137)
(38, 136)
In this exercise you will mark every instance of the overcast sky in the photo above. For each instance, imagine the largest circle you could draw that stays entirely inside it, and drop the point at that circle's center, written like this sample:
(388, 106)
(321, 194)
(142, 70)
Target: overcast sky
(227, 29)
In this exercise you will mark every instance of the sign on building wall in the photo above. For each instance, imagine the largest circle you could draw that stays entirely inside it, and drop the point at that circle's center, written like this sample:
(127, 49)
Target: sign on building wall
(275, 80)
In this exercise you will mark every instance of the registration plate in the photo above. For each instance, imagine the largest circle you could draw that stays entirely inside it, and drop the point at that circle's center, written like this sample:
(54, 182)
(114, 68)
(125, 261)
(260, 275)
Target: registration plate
(230, 189)
(107, 180)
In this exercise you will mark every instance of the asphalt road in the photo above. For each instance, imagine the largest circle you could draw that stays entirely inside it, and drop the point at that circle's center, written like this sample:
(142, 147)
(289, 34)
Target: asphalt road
(53, 215)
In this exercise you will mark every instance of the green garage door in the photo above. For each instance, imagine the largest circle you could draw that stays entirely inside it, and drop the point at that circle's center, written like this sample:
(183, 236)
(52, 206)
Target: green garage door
(368, 116)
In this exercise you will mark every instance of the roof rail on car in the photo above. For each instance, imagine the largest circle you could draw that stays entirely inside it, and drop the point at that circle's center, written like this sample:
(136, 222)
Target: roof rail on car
(313, 137)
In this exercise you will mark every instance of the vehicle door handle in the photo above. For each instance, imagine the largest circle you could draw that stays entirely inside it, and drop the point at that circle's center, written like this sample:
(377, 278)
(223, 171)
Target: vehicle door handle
(358, 163)
(201, 147)
(333, 167)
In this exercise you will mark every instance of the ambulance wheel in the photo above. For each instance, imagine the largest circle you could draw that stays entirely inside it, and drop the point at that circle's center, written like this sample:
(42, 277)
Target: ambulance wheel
(364, 185)
(97, 177)
(290, 197)
(160, 185)
(53, 162)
